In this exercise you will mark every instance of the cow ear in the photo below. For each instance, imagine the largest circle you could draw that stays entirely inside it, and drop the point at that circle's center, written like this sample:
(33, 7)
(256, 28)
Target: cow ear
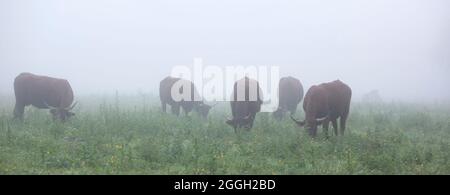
(231, 122)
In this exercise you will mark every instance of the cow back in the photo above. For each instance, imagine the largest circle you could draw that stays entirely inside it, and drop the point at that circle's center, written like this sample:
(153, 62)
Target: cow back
(290, 92)
(339, 97)
(246, 98)
(41, 90)
(166, 87)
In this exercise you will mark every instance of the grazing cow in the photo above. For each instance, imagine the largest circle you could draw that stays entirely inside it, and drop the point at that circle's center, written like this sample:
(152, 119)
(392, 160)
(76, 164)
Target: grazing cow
(290, 94)
(191, 102)
(245, 102)
(44, 93)
(324, 103)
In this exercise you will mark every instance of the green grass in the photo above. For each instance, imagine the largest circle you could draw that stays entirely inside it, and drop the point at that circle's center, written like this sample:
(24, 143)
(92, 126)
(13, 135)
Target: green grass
(129, 135)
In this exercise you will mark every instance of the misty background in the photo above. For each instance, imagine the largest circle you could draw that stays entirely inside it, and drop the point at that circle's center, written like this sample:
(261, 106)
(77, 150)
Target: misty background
(399, 47)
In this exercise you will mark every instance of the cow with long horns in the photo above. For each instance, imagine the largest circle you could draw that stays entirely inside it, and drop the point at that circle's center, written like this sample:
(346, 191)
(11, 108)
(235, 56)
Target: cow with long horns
(326, 103)
(44, 93)
(246, 101)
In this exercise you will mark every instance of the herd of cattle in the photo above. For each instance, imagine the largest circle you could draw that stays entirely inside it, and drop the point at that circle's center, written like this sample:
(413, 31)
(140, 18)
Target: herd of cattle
(322, 103)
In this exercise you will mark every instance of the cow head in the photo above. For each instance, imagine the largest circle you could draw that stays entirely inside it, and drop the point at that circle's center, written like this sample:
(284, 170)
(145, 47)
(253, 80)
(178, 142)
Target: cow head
(279, 114)
(246, 122)
(61, 113)
(311, 125)
(203, 109)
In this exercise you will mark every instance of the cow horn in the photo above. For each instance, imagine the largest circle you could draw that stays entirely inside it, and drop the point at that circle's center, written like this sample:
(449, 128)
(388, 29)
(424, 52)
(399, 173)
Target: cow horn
(48, 106)
(320, 120)
(230, 121)
(299, 123)
(73, 106)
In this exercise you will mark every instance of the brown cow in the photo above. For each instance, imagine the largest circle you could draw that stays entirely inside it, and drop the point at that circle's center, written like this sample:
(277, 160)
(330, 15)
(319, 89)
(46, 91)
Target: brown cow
(44, 93)
(245, 102)
(290, 94)
(194, 102)
(324, 103)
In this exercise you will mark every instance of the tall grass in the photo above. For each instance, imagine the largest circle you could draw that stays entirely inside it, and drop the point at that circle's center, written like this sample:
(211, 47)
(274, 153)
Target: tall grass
(129, 135)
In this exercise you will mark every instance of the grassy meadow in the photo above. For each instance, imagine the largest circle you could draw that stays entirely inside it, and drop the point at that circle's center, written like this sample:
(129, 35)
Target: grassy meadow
(130, 135)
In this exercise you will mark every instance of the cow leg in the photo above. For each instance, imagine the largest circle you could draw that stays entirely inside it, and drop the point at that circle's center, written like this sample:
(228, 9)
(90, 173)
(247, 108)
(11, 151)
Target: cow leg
(343, 123)
(282, 113)
(186, 110)
(250, 126)
(164, 107)
(313, 132)
(55, 116)
(326, 124)
(175, 109)
(18, 111)
(335, 127)
(252, 121)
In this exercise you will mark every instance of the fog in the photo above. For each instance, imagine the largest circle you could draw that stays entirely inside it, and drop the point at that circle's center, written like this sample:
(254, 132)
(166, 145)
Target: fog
(399, 47)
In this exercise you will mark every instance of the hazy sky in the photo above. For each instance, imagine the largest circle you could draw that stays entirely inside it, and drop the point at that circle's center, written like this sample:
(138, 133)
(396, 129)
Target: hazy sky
(400, 47)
